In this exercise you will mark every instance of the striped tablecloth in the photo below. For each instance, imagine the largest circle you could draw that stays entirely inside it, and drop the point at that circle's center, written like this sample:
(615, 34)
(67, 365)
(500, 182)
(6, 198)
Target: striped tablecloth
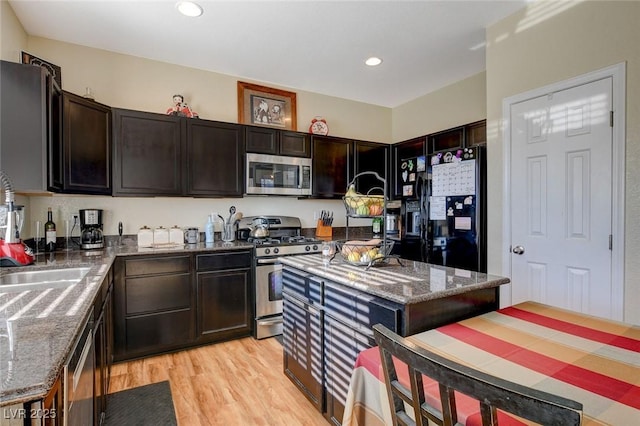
(591, 360)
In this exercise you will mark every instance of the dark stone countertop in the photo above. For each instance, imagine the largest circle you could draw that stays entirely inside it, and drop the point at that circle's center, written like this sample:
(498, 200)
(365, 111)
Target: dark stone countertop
(39, 327)
(406, 282)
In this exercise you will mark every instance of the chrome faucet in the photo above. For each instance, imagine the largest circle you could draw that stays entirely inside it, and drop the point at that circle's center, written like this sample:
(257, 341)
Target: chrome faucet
(12, 234)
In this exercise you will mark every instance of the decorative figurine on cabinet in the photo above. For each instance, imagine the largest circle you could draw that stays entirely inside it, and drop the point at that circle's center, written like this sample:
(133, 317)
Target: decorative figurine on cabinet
(319, 126)
(180, 108)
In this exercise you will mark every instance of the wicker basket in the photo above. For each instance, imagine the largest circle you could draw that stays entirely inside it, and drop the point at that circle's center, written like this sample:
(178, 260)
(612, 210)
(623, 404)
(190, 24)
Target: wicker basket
(364, 253)
(364, 205)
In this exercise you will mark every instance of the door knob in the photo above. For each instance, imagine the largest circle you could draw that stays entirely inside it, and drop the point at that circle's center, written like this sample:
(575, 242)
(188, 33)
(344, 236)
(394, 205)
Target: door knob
(518, 250)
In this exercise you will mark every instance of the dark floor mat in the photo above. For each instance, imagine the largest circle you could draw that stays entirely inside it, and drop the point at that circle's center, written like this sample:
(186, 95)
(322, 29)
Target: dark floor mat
(141, 406)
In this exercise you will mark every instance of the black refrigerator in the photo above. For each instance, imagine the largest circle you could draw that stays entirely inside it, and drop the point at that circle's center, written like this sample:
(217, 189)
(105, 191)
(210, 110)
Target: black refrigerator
(451, 197)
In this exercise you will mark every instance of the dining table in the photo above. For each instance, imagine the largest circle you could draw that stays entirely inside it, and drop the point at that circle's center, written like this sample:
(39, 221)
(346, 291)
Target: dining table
(591, 360)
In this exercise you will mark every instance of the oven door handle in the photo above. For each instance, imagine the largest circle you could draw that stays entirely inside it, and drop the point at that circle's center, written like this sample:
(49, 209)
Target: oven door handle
(271, 261)
(273, 321)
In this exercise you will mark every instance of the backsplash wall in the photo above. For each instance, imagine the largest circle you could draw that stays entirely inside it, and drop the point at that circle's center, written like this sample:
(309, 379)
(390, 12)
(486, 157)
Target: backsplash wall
(135, 212)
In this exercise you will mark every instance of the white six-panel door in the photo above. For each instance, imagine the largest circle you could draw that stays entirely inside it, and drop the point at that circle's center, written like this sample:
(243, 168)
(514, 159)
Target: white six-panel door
(561, 195)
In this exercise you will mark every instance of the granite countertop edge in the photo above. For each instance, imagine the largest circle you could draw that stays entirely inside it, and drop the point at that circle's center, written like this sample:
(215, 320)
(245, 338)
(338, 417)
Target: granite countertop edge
(100, 262)
(407, 283)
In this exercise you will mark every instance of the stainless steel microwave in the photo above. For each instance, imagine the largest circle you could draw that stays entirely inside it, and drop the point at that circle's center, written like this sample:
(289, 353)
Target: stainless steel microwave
(278, 175)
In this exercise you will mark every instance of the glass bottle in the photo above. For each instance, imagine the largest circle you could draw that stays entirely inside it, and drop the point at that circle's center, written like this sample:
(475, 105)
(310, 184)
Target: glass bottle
(50, 232)
(376, 226)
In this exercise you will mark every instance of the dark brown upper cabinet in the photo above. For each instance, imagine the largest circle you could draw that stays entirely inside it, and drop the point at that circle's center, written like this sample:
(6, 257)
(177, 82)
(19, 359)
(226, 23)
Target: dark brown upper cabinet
(86, 146)
(477, 133)
(447, 140)
(30, 112)
(214, 152)
(277, 142)
(401, 151)
(332, 166)
(164, 155)
(148, 153)
(370, 157)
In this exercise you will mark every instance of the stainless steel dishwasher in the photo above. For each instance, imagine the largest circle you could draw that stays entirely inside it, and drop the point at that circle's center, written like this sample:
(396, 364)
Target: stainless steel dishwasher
(78, 379)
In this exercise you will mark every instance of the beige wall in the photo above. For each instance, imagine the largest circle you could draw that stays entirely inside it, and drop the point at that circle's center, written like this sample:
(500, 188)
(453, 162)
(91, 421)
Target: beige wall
(460, 103)
(551, 42)
(13, 39)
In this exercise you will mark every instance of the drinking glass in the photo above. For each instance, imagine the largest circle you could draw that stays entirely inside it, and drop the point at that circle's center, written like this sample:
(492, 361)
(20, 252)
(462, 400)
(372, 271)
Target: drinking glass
(38, 237)
(67, 235)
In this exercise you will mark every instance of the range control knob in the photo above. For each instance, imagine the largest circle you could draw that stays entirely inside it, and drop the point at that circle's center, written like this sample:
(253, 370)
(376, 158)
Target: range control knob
(267, 251)
(276, 250)
(307, 248)
(315, 247)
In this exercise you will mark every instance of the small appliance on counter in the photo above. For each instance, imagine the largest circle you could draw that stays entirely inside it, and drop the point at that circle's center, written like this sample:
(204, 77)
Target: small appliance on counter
(91, 229)
(13, 252)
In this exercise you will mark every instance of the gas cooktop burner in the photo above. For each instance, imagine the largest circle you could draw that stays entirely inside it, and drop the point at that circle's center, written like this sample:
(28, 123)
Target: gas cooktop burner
(263, 241)
(295, 239)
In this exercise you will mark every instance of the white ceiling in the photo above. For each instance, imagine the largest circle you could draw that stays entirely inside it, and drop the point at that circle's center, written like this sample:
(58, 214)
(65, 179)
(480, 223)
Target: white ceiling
(316, 46)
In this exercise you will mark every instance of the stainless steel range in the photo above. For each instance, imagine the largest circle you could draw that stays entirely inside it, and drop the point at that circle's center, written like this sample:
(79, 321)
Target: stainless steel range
(283, 239)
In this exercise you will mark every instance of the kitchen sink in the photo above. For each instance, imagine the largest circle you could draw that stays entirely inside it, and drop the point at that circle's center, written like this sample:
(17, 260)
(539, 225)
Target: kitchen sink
(42, 279)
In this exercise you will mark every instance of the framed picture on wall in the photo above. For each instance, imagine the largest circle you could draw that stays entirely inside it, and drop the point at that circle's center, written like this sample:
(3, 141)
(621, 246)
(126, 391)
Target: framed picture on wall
(54, 70)
(265, 106)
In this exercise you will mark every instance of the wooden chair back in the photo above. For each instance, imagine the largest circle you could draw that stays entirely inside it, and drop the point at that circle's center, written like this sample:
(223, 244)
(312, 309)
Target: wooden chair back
(491, 392)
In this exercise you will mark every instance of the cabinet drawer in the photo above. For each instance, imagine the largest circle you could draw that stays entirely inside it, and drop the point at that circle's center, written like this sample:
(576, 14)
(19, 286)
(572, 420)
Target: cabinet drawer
(152, 333)
(154, 294)
(360, 310)
(228, 260)
(303, 287)
(157, 265)
(372, 310)
(340, 302)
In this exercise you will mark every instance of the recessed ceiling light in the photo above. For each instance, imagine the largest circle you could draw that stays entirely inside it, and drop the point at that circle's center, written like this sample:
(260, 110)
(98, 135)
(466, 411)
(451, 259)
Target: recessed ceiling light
(373, 61)
(189, 8)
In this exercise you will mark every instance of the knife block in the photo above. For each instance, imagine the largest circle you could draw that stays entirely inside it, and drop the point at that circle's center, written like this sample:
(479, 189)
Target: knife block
(323, 230)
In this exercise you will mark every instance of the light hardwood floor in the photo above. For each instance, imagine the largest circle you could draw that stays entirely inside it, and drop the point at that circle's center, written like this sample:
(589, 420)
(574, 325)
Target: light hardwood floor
(239, 382)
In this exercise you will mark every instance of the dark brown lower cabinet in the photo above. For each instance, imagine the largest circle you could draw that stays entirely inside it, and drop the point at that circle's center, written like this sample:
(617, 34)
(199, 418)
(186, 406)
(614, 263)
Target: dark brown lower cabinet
(103, 347)
(53, 406)
(153, 309)
(169, 302)
(224, 296)
(302, 340)
(326, 326)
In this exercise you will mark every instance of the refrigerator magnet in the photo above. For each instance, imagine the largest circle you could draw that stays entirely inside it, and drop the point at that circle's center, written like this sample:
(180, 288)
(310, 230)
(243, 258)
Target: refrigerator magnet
(462, 223)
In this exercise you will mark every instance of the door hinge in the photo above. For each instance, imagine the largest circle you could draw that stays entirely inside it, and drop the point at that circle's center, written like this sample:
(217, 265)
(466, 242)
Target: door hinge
(610, 118)
(610, 242)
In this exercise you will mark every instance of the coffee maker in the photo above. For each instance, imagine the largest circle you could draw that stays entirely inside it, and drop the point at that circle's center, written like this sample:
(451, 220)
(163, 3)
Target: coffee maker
(91, 229)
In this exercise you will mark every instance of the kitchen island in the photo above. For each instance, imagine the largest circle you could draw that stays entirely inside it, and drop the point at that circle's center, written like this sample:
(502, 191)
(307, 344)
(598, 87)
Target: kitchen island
(39, 327)
(330, 307)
